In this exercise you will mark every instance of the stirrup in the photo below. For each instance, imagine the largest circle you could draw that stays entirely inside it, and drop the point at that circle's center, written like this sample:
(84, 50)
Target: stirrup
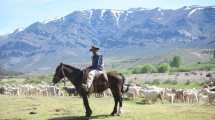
(85, 87)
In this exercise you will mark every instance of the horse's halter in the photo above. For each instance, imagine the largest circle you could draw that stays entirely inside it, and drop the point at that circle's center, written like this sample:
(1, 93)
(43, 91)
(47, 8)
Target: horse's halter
(63, 73)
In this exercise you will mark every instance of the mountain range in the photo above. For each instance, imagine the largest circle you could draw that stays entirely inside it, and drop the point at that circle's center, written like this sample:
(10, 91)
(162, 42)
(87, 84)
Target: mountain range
(120, 34)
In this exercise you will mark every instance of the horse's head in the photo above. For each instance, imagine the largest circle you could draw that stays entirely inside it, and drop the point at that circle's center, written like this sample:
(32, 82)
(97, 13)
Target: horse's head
(58, 74)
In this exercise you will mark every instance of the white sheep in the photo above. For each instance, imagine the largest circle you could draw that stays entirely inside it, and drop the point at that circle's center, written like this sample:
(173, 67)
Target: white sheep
(211, 95)
(151, 95)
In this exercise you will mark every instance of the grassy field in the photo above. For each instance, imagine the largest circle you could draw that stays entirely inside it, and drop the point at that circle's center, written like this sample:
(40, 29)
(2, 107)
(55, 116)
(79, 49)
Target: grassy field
(71, 108)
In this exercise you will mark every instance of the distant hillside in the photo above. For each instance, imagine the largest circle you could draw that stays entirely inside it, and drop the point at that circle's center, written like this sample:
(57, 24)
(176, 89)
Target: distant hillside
(4, 72)
(136, 32)
(189, 58)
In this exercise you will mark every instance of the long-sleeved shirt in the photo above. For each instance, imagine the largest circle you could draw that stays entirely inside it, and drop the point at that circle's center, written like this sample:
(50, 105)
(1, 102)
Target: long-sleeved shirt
(97, 62)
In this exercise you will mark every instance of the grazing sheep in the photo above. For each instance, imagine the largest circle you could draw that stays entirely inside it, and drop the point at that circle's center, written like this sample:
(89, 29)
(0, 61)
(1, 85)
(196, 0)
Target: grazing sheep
(210, 94)
(107, 92)
(179, 95)
(131, 95)
(151, 95)
(2, 90)
(30, 90)
(133, 92)
(104, 93)
(190, 96)
(203, 98)
(71, 91)
(211, 86)
(169, 95)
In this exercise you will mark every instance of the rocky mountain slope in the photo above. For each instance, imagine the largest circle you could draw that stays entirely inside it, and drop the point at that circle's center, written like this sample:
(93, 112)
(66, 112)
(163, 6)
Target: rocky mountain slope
(42, 45)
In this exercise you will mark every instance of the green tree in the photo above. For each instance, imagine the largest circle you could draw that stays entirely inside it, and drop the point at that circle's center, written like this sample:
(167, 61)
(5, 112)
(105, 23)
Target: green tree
(136, 70)
(163, 68)
(148, 68)
(176, 62)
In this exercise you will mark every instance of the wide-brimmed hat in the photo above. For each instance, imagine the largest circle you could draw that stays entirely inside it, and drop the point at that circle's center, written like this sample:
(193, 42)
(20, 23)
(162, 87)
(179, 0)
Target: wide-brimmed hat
(93, 48)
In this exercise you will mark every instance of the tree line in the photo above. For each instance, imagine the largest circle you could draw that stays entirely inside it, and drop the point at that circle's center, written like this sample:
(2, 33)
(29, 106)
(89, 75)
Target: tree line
(160, 68)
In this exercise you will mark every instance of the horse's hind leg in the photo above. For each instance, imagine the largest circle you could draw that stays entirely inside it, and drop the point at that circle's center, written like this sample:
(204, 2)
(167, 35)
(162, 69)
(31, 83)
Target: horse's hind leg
(115, 105)
(120, 105)
(117, 99)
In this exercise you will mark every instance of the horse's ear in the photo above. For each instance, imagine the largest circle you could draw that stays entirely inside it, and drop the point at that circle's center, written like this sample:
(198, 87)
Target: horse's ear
(61, 63)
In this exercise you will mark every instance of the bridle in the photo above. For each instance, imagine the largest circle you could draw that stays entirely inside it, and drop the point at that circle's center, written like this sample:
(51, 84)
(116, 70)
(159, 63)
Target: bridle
(61, 70)
(64, 80)
(63, 73)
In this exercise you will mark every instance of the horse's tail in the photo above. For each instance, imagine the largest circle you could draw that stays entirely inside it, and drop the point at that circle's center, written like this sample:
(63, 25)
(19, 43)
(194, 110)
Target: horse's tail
(123, 82)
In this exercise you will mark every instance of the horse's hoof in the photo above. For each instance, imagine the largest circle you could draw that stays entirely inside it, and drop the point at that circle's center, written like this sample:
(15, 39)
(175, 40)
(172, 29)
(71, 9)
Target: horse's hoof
(88, 114)
(87, 118)
(112, 114)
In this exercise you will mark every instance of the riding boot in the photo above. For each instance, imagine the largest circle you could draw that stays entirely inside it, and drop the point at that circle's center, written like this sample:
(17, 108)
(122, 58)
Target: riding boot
(89, 82)
(88, 89)
(106, 78)
(85, 87)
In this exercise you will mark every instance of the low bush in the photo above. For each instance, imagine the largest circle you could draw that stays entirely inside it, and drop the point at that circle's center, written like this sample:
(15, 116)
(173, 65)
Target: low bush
(167, 82)
(136, 71)
(163, 68)
(156, 82)
(187, 82)
(172, 82)
(148, 68)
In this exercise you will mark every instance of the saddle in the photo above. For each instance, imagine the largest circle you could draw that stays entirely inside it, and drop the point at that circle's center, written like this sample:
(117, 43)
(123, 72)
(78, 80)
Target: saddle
(100, 81)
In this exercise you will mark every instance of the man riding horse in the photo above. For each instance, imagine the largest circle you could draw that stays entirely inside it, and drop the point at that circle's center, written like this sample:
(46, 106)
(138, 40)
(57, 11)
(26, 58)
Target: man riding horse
(96, 79)
(95, 70)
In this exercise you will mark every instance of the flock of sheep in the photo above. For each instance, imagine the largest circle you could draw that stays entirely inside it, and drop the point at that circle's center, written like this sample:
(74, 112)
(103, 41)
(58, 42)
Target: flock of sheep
(30, 90)
(152, 93)
(43, 90)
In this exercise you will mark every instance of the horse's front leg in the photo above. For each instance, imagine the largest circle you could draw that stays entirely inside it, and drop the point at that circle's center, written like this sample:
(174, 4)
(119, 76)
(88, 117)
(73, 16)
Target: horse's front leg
(87, 106)
(120, 105)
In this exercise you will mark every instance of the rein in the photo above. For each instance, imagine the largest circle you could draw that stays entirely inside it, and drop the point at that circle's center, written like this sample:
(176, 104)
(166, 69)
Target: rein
(64, 80)
(64, 75)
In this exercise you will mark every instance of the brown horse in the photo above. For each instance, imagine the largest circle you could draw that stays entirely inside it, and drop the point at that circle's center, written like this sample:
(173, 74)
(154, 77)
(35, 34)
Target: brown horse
(76, 76)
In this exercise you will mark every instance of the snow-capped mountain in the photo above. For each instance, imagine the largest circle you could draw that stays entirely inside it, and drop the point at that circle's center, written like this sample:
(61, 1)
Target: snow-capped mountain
(43, 44)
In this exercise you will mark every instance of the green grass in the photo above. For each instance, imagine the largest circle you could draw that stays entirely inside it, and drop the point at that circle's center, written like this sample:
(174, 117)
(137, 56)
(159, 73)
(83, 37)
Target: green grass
(71, 108)
(204, 66)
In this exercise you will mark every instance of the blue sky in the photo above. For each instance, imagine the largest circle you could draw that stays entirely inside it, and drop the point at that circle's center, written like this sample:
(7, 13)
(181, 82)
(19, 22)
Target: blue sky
(21, 13)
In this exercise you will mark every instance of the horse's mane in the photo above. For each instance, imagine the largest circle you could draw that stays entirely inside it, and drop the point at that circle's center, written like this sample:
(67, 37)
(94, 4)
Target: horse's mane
(72, 67)
(113, 73)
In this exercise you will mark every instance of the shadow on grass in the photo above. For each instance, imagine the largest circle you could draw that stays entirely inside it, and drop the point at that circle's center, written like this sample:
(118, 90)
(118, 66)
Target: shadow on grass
(140, 103)
(79, 117)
